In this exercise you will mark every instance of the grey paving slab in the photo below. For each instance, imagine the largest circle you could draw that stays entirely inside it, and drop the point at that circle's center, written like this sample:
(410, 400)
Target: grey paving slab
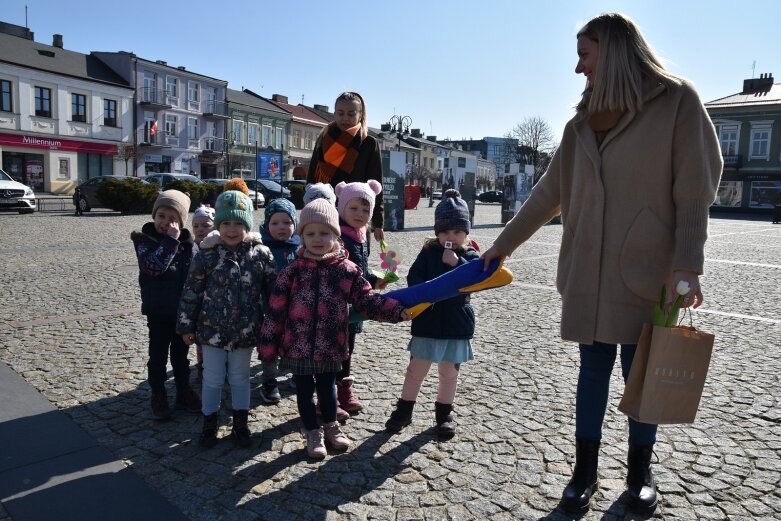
(75, 334)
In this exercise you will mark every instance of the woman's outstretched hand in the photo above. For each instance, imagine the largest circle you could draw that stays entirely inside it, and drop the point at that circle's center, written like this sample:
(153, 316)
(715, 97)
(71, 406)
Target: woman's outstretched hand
(491, 254)
(693, 297)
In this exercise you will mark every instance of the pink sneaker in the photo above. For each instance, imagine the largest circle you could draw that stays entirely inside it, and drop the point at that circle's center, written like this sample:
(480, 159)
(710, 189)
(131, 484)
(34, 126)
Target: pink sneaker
(335, 437)
(346, 396)
(315, 446)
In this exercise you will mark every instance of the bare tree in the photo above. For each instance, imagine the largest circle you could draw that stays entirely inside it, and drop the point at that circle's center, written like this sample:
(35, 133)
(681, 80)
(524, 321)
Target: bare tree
(536, 143)
(126, 152)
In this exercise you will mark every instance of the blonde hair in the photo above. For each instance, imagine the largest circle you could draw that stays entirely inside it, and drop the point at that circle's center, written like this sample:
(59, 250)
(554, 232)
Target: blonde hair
(625, 59)
(354, 96)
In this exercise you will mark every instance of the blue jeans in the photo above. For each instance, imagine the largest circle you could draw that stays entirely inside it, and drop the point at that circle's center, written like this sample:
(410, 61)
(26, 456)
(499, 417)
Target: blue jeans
(596, 365)
(217, 363)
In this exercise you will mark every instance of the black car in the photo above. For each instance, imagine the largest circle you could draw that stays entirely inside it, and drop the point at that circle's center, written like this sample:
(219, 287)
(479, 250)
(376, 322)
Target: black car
(270, 189)
(493, 196)
(89, 197)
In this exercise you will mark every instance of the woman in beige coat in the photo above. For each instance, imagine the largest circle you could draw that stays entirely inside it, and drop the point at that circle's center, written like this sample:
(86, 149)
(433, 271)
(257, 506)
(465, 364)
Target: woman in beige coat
(634, 176)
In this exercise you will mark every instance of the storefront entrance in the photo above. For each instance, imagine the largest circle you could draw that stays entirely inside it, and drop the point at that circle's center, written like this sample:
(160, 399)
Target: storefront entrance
(25, 168)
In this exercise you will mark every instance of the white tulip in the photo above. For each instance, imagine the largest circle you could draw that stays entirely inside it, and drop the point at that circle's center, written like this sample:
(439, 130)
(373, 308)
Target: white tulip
(682, 288)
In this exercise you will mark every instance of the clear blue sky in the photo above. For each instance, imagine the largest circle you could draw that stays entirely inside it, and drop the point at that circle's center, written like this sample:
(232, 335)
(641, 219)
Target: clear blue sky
(459, 69)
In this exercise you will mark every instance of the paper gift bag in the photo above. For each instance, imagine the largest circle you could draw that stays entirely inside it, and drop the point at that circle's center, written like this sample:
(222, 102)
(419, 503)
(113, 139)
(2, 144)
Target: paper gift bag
(667, 375)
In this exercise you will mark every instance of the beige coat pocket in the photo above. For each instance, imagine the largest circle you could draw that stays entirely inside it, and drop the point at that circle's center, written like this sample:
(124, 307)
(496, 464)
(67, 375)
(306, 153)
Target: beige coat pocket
(646, 256)
(565, 259)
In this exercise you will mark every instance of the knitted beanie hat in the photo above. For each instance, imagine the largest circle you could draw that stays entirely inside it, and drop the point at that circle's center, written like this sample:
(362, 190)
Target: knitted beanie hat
(204, 211)
(347, 191)
(319, 211)
(233, 206)
(452, 213)
(276, 206)
(177, 201)
(319, 191)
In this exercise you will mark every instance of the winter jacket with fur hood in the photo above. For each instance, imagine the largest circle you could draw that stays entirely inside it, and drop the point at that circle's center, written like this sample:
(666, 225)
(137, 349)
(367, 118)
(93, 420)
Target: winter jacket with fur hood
(308, 308)
(634, 208)
(225, 295)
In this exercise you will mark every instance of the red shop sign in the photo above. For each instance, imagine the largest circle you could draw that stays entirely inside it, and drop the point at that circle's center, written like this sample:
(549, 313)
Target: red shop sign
(56, 143)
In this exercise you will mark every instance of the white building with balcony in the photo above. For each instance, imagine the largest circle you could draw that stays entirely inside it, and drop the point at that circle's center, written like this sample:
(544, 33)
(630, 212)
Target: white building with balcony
(63, 114)
(180, 116)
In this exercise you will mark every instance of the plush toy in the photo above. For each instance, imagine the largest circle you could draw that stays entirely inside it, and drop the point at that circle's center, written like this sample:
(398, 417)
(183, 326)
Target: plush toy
(467, 278)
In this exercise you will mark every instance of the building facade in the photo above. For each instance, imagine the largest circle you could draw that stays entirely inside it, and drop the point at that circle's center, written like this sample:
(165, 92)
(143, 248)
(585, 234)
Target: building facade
(63, 114)
(179, 116)
(498, 150)
(748, 125)
(305, 128)
(255, 125)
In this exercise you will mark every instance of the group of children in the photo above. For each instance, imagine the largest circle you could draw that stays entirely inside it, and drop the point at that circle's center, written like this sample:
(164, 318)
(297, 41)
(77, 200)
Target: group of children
(287, 292)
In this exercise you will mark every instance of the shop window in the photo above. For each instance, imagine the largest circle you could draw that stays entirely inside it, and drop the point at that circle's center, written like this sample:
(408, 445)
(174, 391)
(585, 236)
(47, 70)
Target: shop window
(6, 103)
(43, 102)
(78, 107)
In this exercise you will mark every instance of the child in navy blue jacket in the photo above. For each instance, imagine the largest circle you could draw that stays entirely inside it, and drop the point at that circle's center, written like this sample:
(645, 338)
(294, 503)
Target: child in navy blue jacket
(164, 249)
(443, 333)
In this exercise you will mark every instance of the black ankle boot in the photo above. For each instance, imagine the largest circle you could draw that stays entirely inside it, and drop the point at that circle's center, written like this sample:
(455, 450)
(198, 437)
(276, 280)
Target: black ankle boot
(401, 417)
(446, 425)
(208, 437)
(641, 487)
(577, 494)
(240, 431)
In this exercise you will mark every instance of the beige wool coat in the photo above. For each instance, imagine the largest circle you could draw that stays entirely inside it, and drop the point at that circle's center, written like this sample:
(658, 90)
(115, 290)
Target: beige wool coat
(634, 209)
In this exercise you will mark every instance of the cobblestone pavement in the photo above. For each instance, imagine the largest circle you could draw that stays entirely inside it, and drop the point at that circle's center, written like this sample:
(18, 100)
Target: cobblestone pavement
(70, 325)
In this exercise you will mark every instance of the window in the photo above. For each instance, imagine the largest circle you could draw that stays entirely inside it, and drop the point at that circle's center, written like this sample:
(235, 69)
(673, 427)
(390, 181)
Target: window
(728, 136)
(461, 162)
(64, 172)
(280, 138)
(6, 105)
(150, 84)
(237, 131)
(193, 91)
(171, 86)
(78, 107)
(265, 136)
(43, 102)
(252, 133)
(295, 139)
(192, 129)
(170, 125)
(211, 100)
(211, 133)
(760, 140)
(110, 112)
(308, 140)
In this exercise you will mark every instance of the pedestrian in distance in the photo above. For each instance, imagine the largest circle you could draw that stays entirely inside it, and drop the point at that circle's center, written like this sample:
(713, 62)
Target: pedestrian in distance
(443, 333)
(345, 151)
(164, 249)
(277, 232)
(203, 224)
(222, 309)
(306, 325)
(355, 203)
(77, 201)
(636, 171)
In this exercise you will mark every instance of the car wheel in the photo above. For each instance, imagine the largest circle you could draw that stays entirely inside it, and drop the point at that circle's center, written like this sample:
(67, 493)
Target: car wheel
(29, 210)
(83, 205)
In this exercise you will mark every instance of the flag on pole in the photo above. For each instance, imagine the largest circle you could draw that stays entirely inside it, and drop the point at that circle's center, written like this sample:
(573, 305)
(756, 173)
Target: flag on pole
(153, 128)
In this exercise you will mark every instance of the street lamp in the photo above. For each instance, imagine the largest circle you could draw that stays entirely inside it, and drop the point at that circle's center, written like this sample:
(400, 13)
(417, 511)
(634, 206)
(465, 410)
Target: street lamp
(400, 125)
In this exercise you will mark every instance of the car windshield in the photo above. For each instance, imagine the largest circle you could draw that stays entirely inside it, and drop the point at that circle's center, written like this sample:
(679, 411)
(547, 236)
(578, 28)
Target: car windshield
(271, 185)
(5, 177)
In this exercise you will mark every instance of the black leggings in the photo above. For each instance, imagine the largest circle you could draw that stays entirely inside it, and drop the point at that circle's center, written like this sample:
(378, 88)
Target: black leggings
(345, 372)
(325, 385)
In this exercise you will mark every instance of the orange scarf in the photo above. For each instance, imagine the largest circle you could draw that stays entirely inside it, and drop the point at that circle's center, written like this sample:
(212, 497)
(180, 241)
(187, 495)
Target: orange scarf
(338, 151)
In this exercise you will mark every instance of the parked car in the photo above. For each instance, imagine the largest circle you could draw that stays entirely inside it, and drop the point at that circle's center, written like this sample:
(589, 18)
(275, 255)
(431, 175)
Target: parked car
(15, 196)
(437, 194)
(492, 196)
(165, 178)
(260, 201)
(89, 188)
(270, 189)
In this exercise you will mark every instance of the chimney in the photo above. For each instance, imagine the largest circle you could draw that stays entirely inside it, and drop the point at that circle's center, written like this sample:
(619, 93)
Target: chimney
(279, 98)
(161, 62)
(57, 40)
(181, 68)
(432, 138)
(324, 108)
(416, 132)
(761, 84)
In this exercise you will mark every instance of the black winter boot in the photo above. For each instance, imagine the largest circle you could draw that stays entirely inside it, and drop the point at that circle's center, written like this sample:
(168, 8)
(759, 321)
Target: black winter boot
(640, 481)
(208, 437)
(446, 424)
(401, 416)
(576, 498)
(240, 431)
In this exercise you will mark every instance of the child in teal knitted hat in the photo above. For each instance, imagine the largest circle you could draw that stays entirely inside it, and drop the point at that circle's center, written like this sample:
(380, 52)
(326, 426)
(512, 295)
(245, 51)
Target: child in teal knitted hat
(277, 232)
(235, 275)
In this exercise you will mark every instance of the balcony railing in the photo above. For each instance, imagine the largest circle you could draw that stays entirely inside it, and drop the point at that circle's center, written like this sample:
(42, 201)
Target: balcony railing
(733, 161)
(153, 97)
(213, 108)
(147, 139)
